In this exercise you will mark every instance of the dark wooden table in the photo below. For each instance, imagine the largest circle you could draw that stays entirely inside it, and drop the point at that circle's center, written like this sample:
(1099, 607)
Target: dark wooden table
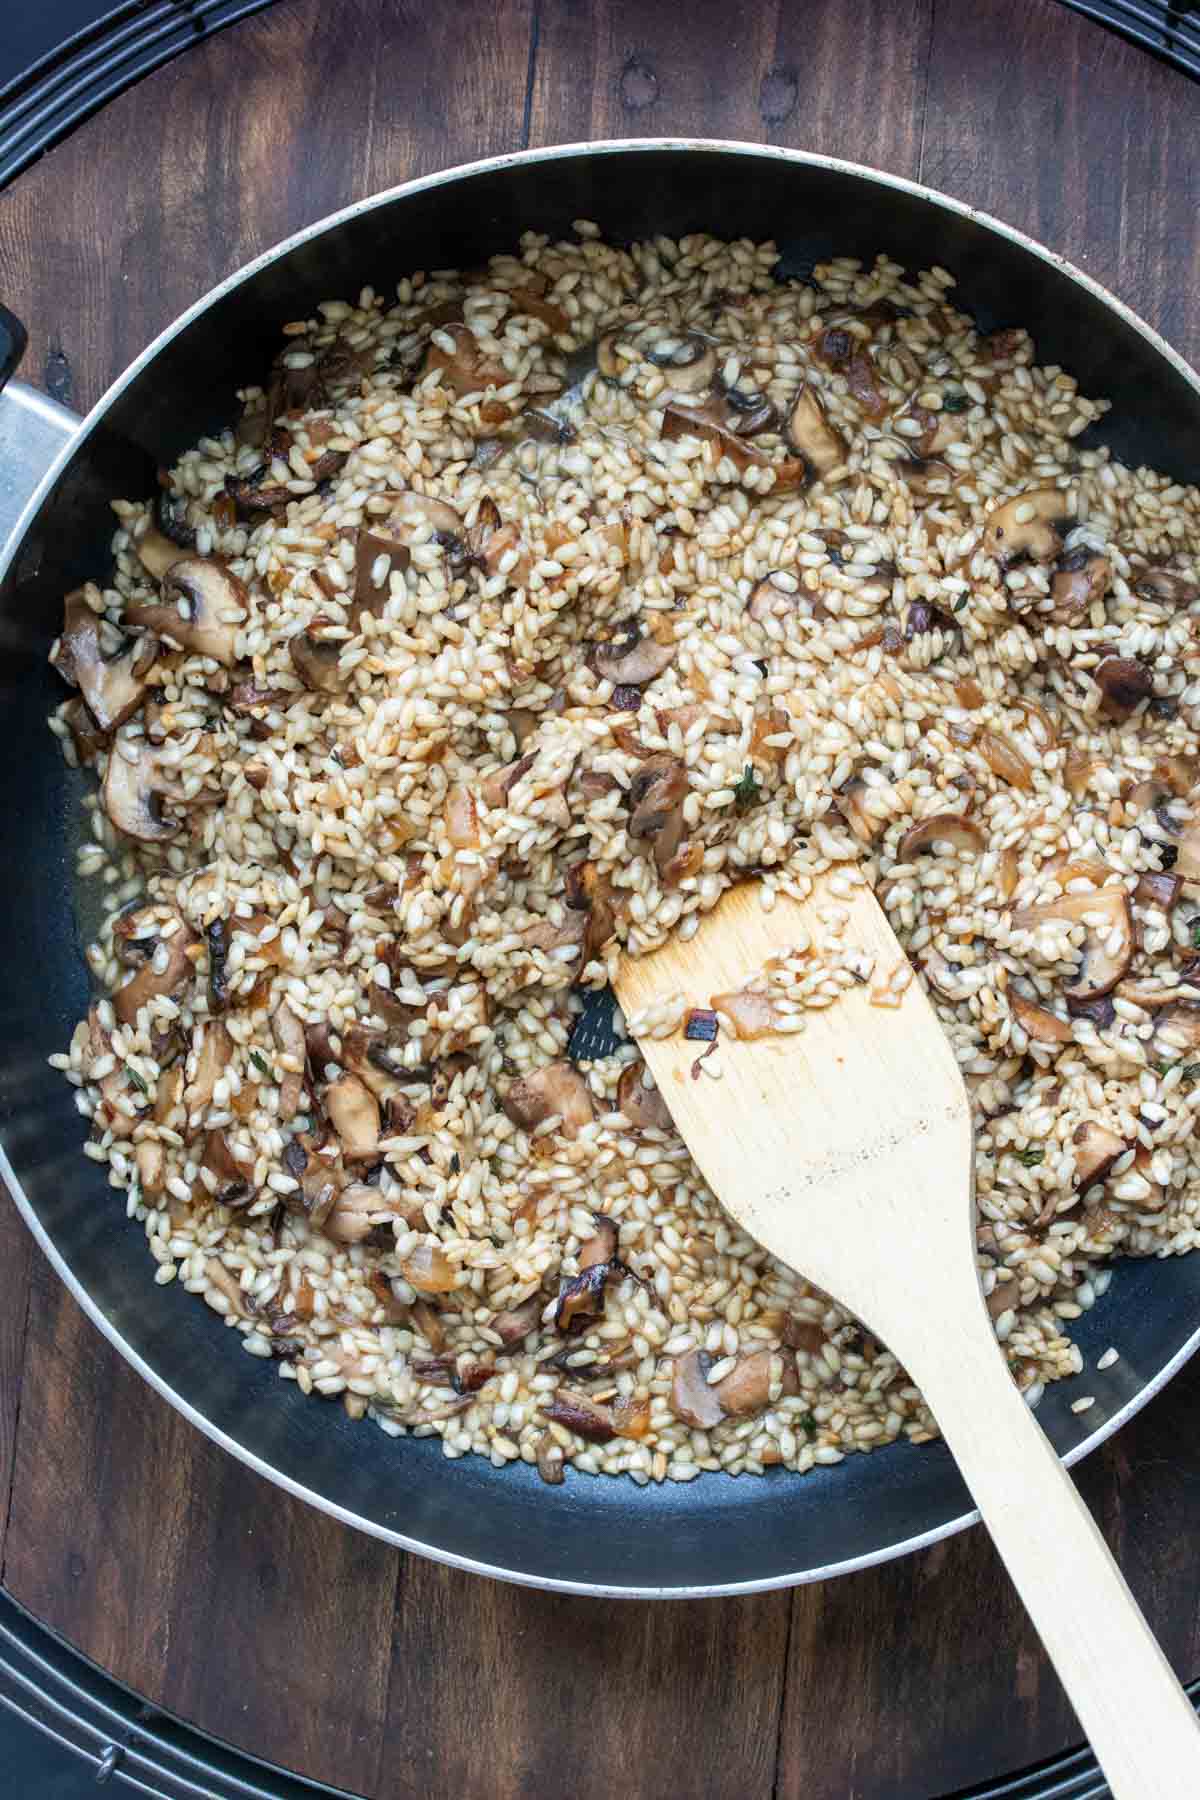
(206, 1589)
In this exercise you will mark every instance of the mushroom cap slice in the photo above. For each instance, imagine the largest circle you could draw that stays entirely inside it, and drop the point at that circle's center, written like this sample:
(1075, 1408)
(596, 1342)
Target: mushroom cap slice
(149, 980)
(747, 1387)
(769, 599)
(955, 829)
(1096, 1150)
(850, 802)
(370, 595)
(113, 687)
(1176, 1031)
(629, 659)
(1108, 946)
(317, 662)
(1081, 579)
(1124, 683)
(809, 431)
(711, 424)
(557, 1088)
(1027, 525)
(1039, 1023)
(203, 602)
(643, 1106)
(134, 788)
(689, 362)
(354, 1114)
(156, 552)
(656, 795)
(692, 1399)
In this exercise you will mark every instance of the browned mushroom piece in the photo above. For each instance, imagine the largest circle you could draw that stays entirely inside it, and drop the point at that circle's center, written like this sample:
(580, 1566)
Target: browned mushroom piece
(629, 659)
(112, 686)
(495, 788)
(490, 542)
(374, 1059)
(397, 1015)
(208, 1061)
(692, 1399)
(1005, 760)
(643, 1106)
(955, 829)
(1039, 1024)
(1027, 526)
(317, 662)
(219, 1160)
(614, 368)
(522, 723)
(429, 1270)
(514, 1326)
(863, 383)
(689, 362)
(747, 1387)
(1157, 890)
(1096, 1150)
(1080, 582)
(588, 1418)
(557, 1089)
(1176, 1031)
(775, 596)
(355, 1212)
(168, 966)
(748, 1011)
(202, 605)
(288, 1033)
(601, 1247)
(151, 1167)
(589, 889)
(550, 938)
(711, 424)
(1124, 683)
(466, 369)
(549, 1458)
(86, 735)
(809, 431)
(375, 559)
(656, 794)
(1169, 585)
(135, 786)
(411, 511)
(461, 818)
(354, 1114)
(157, 553)
(1108, 945)
(851, 803)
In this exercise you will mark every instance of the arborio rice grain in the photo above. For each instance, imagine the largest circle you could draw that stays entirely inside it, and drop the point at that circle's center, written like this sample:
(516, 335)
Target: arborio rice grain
(435, 681)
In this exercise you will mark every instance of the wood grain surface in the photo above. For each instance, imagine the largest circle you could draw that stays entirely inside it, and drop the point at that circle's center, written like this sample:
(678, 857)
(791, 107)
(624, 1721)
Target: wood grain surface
(212, 1593)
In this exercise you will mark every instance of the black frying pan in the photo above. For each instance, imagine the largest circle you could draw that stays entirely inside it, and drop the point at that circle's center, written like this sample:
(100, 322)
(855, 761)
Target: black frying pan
(716, 1535)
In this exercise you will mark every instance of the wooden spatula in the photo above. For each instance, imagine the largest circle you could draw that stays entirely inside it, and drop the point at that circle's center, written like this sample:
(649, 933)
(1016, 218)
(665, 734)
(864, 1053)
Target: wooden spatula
(846, 1149)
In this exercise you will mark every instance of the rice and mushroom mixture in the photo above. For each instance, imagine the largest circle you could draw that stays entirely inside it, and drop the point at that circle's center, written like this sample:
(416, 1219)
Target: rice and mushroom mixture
(445, 675)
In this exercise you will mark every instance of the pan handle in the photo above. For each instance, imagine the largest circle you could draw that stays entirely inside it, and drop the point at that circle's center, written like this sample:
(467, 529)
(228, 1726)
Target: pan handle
(33, 430)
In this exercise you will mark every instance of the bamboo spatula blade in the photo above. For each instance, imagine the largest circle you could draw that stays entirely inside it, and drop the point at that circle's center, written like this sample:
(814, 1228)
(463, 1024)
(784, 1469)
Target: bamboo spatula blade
(846, 1149)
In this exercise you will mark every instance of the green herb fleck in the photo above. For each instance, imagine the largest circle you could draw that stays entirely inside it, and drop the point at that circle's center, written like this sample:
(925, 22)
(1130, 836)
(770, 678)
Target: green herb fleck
(956, 402)
(262, 1065)
(1163, 1068)
(1196, 935)
(138, 1082)
(961, 602)
(1191, 1073)
(808, 1425)
(748, 791)
(1031, 1158)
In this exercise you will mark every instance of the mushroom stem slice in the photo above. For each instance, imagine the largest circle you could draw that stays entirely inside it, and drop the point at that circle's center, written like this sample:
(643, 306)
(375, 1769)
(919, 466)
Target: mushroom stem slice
(809, 432)
(955, 829)
(1039, 1023)
(113, 687)
(557, 1088)
(354, 1113)
(1096, 1150)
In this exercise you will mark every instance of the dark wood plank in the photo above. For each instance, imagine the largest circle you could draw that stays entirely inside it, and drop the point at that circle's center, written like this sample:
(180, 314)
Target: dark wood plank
(763, 70)
(501, 1691)
(194, 1581)
(16, 1254)
(248, 137)
(1079, 138)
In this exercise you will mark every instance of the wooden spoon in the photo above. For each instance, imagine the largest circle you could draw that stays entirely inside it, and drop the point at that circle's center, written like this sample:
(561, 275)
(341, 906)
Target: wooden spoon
(846, 1149)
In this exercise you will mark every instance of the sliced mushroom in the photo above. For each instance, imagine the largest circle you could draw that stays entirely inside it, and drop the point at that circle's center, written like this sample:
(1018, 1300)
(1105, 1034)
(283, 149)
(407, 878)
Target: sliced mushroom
(1168, 585)
(1096, 1150)
(556, 1089)
(1038, 1023)
(371, 1056)
(589, 889)
(209, 1060)
(514, 1326)
(157, 553)
(112, 686)
(775, 596)
(643, 1106)
(354, 1114)
(583, 1415)
(1176, 1031)
(355, 1213)
(288, 1033)
(1124, 683)
(656, 795)
(202, 605)
(1158, 890)
(711, 424)
(1005, 760)
(1081, 580)
(496, 787)
(375, 558)
(689, 362)
(809, 432)
(168, 969)
(86, 735)
(955, 829)
(692, 1399)
(629, 659)
(429, 1270)
(134, 789)
(1108, 946)
(1027, 525)
(550, 938)
(317, 662)
(863, 383)
(851, 803)
(747, 1387)
(466, 369)
(748, 1012)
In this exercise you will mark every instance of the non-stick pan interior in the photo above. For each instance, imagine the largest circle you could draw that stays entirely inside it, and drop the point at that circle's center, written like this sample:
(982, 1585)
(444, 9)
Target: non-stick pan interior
(715, 1532)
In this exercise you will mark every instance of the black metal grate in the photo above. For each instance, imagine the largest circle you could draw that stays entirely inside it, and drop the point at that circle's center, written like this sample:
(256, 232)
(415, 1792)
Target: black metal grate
(1169, 28)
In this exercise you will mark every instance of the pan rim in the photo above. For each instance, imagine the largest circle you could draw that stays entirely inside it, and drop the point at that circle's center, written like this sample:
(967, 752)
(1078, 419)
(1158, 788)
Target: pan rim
(420, 184)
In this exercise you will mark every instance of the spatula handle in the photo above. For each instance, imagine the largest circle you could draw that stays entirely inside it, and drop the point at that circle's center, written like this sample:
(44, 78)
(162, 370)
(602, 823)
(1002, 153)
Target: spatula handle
(1141, 1726)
